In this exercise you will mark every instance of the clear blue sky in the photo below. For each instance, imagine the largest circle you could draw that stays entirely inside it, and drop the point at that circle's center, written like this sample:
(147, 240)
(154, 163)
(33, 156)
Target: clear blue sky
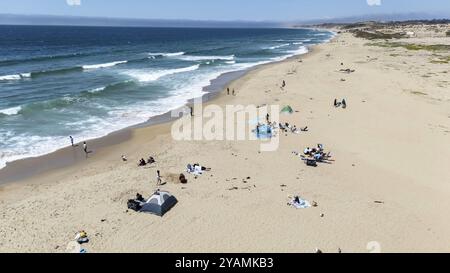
(252, 10)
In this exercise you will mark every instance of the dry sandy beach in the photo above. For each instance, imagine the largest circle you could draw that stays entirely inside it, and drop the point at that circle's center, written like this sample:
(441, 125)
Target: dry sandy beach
(389, 182)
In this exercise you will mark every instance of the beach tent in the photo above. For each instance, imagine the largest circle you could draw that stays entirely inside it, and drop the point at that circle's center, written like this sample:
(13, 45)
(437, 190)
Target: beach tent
(160, 203)
(287, 110)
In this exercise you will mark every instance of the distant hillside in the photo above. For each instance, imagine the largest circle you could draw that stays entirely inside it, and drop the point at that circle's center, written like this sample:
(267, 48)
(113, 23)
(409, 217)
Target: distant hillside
(377, 18)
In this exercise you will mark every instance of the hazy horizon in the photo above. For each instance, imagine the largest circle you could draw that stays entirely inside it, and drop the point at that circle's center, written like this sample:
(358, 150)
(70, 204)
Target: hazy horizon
(57, 20)
(253, 12)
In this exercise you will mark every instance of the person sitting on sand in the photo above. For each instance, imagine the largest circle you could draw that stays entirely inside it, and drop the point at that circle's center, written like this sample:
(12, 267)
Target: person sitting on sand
(194, 169)
(344, 104)
(336, 103)
(81, 237)
(304, 129)
(307, 151)
(139, 197)
(151, 160)
(142, 163)
(183, 179)
(318, 157)
(124, 158)
(320, 147)
(197, 167)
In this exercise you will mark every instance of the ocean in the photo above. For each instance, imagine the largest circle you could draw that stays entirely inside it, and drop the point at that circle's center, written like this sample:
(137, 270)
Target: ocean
(90, 81)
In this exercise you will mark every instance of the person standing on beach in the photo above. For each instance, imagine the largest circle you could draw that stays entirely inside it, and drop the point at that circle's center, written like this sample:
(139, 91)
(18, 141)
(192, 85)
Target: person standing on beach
(71, 141)
(85, 148)
(192, 111)
(228, 91)
(158, 178)
(234, 92)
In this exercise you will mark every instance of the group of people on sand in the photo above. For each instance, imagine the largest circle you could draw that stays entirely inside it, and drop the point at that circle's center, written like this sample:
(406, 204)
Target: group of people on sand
(264, 129)
(197, 169)
(232, 92)
(149, 161)
(85, 147)
(286, 127)
(342, 104)
(318, 154)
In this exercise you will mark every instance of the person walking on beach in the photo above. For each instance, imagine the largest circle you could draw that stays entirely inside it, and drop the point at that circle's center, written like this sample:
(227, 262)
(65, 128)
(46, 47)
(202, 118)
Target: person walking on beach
(192, 111)
(283, 84)
(158, 178)
(268, 118)
(71, 141)
(228, 91)
(234, 92)
(85, 148)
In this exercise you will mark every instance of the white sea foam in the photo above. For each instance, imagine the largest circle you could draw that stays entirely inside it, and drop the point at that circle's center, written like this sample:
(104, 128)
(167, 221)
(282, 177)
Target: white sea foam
(15, 77)
(166, 54)
(149, 76)
(205, 58)
(11, 111)
(300, 51)
(96, 90)
(10, 78)
(279, 46)
(183, 56)
(105, 65)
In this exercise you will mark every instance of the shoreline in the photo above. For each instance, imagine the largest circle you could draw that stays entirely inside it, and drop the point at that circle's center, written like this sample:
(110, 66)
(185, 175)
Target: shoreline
(26, 168)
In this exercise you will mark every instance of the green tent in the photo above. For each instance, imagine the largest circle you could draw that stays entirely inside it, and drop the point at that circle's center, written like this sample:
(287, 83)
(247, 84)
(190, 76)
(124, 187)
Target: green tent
(287, 110)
